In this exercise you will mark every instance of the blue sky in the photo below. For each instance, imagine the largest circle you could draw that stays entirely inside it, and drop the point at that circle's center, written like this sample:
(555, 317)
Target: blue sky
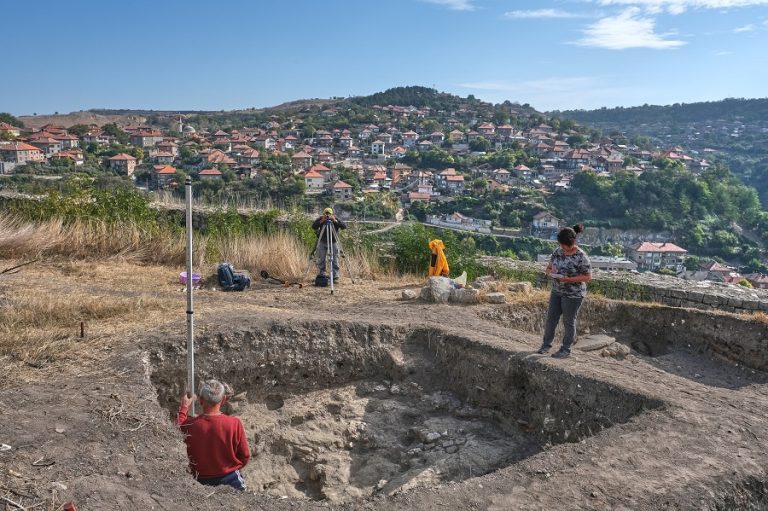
(227, 54)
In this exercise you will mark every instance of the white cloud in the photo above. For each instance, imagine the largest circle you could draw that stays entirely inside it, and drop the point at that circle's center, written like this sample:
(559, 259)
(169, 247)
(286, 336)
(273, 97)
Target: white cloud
(542, 13)
(455, 5)
(746, 28)
(680, 6)
(629, 29)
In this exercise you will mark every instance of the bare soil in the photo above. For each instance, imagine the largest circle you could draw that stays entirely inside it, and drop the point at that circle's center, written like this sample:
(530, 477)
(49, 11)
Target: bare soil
(341, 391)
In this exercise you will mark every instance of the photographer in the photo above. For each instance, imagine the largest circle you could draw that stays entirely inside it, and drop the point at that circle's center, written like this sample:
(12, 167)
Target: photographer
(570, 269)
(329, 219)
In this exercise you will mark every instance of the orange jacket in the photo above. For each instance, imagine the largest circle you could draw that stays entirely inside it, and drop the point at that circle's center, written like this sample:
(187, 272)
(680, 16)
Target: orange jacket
(438, 264)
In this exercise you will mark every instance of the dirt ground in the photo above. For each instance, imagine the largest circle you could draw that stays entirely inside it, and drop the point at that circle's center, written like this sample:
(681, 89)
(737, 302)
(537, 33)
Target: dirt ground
(83, 422)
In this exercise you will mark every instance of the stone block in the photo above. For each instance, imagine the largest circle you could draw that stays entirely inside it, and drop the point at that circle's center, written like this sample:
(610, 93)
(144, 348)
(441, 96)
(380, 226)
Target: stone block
(752, 305)
(695, 296)
(437, 290)
(520, 287)
(678, 293)
(593, 342)
(496, 298)
(735, 302)
(711, 300)
(763, 306)
(483, 282)
(465, 295)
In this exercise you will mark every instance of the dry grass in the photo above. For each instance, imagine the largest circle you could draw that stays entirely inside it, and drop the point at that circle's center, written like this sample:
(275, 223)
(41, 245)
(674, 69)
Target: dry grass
(280, 254)
(38, 327)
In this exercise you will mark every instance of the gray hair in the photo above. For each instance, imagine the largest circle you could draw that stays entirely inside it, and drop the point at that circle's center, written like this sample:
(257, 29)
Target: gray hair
(212, 391)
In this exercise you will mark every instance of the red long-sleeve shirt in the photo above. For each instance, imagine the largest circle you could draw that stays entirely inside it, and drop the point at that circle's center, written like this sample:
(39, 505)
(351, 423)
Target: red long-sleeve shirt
(216, 444)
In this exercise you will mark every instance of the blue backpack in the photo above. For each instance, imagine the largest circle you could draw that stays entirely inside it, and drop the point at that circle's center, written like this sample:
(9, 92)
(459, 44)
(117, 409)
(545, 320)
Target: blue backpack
(229, 280)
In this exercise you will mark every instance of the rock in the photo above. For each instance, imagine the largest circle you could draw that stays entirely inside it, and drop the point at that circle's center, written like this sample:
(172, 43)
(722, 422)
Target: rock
(431, 437)
(496, 298)
(409, 294)
(465, 296)
(239, 397)
(615, 350)
(483, 282)
(452, 449)
(520, 287)
(316, 472)
(594, 342)
(437, 290)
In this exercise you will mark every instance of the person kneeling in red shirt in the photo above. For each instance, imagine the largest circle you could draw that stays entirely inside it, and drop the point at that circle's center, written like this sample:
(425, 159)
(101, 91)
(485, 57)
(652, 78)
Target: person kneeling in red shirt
(216, 443)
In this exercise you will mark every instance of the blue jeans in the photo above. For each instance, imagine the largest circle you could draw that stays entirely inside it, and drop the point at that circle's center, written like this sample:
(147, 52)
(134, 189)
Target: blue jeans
(233, 479)
(568, 308)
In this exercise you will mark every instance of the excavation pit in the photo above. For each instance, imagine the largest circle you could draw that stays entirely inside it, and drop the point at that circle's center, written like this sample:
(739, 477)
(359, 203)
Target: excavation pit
(343, 411)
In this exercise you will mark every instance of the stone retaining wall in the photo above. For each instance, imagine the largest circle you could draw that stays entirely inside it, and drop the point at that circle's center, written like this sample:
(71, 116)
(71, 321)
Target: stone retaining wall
(647, 287)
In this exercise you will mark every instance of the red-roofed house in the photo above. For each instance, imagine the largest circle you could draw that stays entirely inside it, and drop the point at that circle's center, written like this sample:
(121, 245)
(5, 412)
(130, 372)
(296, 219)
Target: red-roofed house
(48, 145)
(249, 157)
(20, 153)
(342, 190)
(7, 128)
(654, 256)
(123, 163)
(314, 181)
(301, 160)
(455, 183)
(210, 174)
(758, 280)
(146, 138)
(378, 147)
(410, 138)
(162, 175)
(217, 157)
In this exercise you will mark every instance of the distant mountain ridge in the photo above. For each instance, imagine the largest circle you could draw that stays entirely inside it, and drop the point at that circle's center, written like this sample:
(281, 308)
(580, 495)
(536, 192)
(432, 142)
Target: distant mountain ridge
(726, 109)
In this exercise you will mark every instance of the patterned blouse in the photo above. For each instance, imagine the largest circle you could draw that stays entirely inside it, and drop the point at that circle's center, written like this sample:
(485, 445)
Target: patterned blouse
(570, 265)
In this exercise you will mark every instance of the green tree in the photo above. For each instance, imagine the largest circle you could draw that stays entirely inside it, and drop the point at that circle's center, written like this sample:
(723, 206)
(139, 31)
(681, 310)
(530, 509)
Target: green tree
(479, 144)
(13, 121)
(692, 263)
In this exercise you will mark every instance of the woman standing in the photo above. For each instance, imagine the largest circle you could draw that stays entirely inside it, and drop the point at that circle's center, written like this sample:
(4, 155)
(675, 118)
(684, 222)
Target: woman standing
(570, 269)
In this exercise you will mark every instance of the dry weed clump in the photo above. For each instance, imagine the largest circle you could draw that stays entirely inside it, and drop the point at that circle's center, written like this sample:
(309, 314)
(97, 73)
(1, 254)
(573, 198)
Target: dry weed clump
(40, 326)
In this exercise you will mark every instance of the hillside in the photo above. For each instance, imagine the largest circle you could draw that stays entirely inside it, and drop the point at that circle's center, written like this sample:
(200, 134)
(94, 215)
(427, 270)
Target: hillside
(731, 130)
(744, 110)
(88, 117)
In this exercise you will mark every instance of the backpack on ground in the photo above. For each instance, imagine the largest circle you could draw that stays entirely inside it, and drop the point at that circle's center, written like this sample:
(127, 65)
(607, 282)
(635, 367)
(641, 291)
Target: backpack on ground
(229, 280)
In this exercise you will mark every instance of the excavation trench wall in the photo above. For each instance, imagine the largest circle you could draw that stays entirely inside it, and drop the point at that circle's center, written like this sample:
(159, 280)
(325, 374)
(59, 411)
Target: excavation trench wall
(518, 388)
(656, 330)
(279, 359)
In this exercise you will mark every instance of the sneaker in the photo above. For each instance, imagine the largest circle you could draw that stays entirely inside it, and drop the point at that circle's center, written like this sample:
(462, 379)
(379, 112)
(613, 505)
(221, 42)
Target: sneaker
(561, 354)
(543, 350)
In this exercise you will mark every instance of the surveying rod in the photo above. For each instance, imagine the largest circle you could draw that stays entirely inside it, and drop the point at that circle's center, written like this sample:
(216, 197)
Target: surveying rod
(190, 309)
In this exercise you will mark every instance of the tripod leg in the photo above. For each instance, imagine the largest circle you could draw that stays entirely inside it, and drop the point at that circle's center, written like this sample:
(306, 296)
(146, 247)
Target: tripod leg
(312, 254)
(344, 257)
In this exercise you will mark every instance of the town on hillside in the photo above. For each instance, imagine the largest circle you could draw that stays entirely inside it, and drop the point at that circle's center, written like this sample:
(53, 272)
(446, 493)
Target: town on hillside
(375, 159)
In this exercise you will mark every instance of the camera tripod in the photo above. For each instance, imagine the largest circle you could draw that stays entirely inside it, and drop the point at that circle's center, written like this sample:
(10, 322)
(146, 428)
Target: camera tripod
(330, 238)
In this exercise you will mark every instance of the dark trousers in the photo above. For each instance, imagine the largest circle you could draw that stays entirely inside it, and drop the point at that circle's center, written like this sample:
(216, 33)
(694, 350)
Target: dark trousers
(568, 308)
(233, 479)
